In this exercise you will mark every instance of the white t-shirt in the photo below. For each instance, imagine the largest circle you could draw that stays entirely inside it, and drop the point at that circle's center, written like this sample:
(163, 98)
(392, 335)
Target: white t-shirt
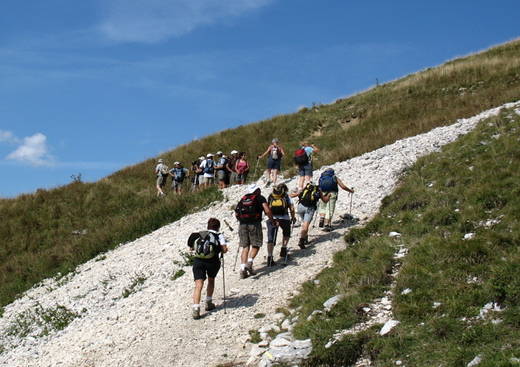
(221, 237)
(203, 165)
(160, 167)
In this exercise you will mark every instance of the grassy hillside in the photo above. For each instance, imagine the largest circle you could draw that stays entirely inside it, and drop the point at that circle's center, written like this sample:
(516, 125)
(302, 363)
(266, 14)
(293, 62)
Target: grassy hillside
(36, 232)
(473, 186)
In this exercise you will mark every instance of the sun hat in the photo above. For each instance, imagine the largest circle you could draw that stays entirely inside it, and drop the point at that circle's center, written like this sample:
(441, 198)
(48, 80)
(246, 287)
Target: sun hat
(252, 188)
(234, 152)
(160, 160)
(175, 163)
(209, 155)
(219, 153)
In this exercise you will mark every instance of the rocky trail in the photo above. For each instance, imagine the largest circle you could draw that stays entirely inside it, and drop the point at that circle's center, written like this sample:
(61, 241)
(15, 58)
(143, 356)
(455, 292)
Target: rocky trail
(128, 310)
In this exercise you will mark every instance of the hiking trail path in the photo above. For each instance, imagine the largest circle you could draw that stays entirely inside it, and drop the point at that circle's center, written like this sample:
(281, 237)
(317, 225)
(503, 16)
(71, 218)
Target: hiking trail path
(153, 326)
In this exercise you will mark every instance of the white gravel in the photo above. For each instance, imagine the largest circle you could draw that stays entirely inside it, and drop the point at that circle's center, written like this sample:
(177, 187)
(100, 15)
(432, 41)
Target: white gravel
(153, 325)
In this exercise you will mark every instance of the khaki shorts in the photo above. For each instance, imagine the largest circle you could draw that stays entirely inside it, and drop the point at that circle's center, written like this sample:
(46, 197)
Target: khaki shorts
(209, 180)
(250, 235)
(161, 180)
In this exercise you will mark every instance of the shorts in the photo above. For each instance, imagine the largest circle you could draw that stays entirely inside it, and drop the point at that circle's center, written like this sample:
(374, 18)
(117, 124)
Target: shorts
(285, 225)
(208, 180)
(305, 170)
(161, 180)
(233, 178)
(201, 268)
(176, 184)
(250, 234)
(221, 175)
(306, 213)
(327, 209)
(274, 163)
(242, 177)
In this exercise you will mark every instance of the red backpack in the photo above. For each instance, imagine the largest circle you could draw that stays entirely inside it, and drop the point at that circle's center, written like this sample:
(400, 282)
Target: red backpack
(248, 209)
(300, 157)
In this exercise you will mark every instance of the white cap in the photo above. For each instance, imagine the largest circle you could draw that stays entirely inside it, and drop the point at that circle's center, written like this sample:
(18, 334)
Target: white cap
(234, 152)
(209, 155)
(176, 163)
(160, 160)
(219, 153)
(252, 188)
(202, 157)
(275, 140)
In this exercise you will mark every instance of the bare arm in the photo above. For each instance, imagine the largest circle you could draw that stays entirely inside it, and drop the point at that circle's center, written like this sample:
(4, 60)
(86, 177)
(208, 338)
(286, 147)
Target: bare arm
(316, 149)
(343, 186)
(265, 153)
(267, 211)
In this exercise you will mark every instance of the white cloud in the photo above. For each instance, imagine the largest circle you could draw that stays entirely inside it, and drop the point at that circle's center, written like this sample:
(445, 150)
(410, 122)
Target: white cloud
(151, 21)
(33, 150)
(7, 137)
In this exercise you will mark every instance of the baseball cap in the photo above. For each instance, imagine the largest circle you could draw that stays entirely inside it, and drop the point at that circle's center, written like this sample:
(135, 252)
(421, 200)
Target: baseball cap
(252, 188)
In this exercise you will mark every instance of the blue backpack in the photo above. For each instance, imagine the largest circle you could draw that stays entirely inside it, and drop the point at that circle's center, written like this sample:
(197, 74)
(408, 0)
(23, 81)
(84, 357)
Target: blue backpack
(209, 168)
(328, 182)
(179, 174)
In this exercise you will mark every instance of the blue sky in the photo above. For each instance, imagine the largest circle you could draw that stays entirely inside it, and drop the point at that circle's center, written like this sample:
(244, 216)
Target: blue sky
(92, 86)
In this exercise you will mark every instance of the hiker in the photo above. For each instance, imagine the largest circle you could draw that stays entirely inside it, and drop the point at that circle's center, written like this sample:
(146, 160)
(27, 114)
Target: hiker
(242, 168)
(303, 159)
(249, 214)
(178, 173)
(220, 169)
(206, 245)
(208, 169)
(280, 204)
(196, 173)
(329, 184)
(309, 198)
(231, 169)
(161, 172)
(274, 161)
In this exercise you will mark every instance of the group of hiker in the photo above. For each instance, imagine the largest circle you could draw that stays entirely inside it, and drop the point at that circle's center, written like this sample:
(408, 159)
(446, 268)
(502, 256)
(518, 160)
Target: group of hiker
(204, 171)
(279, 208)
(234, 169)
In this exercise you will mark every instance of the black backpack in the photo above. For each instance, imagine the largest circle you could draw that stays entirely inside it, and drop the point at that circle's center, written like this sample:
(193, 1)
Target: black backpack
(300, 157)
(248, 209)
(309, 196)
(206, 246)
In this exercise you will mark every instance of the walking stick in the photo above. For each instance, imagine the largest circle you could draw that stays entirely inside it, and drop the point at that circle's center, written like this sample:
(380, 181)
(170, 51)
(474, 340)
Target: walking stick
(256, 167)
(227, 224)
(223, 281)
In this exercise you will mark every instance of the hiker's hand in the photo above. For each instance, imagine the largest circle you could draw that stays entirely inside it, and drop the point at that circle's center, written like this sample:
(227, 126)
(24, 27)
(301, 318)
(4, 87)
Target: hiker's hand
(257, 157)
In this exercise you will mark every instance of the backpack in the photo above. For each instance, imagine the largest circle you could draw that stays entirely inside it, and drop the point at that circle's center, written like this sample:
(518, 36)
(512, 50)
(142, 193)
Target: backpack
(248, 209)
(179, 174)
(278, 204)
(309, 196)
(300, 157)
(276, 153)
(207, 245)
(328, 182)
(209, 167)
(163, 170)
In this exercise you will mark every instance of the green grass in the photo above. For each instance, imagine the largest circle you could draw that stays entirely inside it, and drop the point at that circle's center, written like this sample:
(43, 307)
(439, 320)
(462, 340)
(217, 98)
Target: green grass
(441, 198)
(37, 230)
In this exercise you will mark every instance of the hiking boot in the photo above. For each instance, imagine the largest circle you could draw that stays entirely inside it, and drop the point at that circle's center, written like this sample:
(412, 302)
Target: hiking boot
(249, 268)
(321, 223)
(270, 261)
(243, 274)
(301, 244)
(195, 313)
(283, 251)
(210, 306)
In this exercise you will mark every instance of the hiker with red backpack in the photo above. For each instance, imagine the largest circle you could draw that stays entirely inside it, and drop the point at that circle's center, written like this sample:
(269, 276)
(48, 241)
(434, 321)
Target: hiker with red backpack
(308, 201)
(275, 153)
(329, 183)
(281, 205)
(249, 212)
(206, 246)
(303, 159)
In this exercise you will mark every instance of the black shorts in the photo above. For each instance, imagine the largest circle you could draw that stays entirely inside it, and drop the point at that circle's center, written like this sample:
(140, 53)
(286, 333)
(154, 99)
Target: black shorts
(201, 268)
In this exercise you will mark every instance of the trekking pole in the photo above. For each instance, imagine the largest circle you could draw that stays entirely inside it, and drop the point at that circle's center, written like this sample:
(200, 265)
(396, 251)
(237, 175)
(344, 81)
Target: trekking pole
(256, 167)
(351, 196)
(228, 225)
(236, 258)
(223, 282)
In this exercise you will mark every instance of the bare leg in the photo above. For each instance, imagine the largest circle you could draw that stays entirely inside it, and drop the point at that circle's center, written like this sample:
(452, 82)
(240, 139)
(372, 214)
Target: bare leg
(199, 284)
(211, 287)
